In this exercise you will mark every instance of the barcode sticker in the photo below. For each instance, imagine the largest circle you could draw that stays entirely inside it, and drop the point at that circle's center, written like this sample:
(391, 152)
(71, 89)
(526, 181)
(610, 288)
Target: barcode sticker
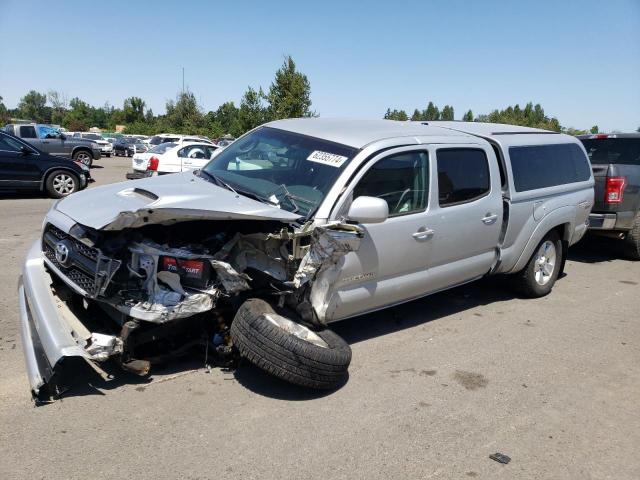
(327, 158)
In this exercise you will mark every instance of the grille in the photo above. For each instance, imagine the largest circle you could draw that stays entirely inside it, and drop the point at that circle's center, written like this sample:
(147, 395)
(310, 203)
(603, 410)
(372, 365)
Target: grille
(80, 272)
(80, 247)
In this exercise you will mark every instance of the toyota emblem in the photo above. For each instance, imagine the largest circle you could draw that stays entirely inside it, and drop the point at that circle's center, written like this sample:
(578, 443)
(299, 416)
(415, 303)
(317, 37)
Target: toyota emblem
(62, 253)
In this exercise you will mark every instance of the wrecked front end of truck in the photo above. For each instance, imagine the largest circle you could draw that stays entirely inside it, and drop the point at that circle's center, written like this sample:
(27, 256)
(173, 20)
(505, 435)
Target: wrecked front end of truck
(156, 282)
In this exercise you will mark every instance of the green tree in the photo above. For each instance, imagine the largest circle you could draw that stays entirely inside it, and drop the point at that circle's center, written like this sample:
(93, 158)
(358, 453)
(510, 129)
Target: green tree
(594, 129)
(59, 106)
(394, 114)
(468, 117)
(290, 93)
(133, 110)
(33, 107)
(79, 115)
(225, 118)
(416, 116)
(447, 113)
(252, 110)
(183, 115)
(432, 112)
(4, 113)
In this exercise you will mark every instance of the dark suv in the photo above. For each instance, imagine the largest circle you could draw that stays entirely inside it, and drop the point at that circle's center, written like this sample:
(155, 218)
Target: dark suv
(51, 140)
(615, 160)
(24, 167)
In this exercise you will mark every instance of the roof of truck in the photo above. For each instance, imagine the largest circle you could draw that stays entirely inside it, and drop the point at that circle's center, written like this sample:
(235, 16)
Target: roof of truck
(358, 133)
(487, 129)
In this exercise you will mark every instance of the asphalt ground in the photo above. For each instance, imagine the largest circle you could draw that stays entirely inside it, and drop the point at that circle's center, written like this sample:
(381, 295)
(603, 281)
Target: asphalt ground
(435, 387)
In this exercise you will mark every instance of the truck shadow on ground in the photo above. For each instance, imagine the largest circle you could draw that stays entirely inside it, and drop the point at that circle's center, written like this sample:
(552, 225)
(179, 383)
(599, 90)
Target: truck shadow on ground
(597, 249)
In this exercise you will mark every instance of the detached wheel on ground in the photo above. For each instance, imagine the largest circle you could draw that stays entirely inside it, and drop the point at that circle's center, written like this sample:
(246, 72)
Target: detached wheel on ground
(61, 183)
(289, 350)
(540, 274)
(83, 157)
(632, 240)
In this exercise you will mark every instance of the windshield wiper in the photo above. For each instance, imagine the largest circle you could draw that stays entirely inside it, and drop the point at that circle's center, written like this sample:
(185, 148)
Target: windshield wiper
(293, 198)
(217, 180)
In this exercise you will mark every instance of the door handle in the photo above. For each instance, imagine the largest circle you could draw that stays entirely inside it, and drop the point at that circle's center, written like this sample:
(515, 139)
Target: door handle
(489, 218)
(422, 233)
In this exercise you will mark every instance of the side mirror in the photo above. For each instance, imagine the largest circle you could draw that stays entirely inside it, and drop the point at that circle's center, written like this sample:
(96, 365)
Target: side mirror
(25, 151)
(63, 136)
(368, 210)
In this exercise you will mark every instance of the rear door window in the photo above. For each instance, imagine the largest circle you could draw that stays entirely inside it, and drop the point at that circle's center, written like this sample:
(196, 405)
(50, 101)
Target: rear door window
(463, 175)
(28, 131)
(542, 166)
(625, 151)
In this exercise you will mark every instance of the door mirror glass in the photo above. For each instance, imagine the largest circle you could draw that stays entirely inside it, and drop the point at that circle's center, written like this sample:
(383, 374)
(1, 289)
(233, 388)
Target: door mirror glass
(368, 210)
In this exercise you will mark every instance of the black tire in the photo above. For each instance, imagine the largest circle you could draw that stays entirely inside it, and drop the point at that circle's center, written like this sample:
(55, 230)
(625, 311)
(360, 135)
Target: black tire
(57, 179)
(527, 282)
(83, 156)
(285, 355)
(632, 240)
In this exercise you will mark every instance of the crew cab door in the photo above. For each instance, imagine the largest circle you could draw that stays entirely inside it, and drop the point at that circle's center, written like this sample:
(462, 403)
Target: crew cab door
(466, 214)
(390, 265)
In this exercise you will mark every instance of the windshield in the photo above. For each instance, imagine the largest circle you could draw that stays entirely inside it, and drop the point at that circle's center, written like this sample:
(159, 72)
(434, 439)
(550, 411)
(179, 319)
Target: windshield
(163, 147)
(289, 170)
(91, 136)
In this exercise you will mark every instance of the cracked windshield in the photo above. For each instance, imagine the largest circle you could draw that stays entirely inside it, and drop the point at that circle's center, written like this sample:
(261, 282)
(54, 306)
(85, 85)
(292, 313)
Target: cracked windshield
(291, 171)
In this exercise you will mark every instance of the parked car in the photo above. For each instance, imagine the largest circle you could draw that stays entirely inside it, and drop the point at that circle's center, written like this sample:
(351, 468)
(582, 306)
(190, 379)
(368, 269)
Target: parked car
(106, 148)
(25, 167)
(50, 140)
(170, 158)
(615, 160)
(178, 139)
(128, 146)
(297, 224)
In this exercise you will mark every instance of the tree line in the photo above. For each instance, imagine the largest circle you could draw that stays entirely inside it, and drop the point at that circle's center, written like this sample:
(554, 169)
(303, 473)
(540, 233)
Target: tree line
(289, 95)
(529, 116)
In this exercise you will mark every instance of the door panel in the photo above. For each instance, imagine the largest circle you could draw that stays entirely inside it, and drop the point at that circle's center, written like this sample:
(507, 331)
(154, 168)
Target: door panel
(390, 264)
(467, 217)
(13, 165)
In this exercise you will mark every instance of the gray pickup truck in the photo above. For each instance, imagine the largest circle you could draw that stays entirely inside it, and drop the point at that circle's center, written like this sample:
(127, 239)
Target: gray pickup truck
(52, 141)
(615, 160)
(297, 224)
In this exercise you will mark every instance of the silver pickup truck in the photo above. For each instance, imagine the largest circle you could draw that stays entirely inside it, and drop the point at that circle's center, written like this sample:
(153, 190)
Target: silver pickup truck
(297, 224)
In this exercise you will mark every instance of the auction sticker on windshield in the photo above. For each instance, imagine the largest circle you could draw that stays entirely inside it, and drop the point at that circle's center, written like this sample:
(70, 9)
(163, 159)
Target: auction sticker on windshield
(327, 158)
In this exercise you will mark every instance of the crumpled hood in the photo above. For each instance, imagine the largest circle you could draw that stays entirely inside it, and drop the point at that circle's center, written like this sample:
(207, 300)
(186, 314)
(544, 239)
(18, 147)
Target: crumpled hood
(164, 199)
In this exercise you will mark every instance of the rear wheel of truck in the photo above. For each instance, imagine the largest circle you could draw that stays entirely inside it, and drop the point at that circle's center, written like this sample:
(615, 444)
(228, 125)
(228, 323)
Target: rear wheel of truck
(289, 350)
(632, 240)
(540, 274)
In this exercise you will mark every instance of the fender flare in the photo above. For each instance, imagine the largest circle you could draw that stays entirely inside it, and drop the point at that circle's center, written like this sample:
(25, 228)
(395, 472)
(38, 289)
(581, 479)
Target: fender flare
(560, 217)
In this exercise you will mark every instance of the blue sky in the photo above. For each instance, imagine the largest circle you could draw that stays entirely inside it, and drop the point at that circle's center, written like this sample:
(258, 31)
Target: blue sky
(580, 60)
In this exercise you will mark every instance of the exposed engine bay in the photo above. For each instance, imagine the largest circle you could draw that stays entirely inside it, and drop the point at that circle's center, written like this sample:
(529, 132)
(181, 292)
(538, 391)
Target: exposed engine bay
(157, 290)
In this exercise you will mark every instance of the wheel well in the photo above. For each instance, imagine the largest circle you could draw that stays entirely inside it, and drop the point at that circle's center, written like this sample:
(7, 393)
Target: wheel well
(81, 149)
(52, 170)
